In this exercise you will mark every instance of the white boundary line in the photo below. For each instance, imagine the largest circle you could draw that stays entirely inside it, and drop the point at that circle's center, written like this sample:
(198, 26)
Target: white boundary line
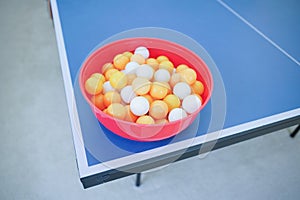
(258, 31)
(73, 114)
(85, 170)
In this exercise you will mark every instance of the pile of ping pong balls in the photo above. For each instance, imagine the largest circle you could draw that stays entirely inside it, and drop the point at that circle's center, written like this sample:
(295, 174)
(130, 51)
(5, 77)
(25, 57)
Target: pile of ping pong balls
(137, 88)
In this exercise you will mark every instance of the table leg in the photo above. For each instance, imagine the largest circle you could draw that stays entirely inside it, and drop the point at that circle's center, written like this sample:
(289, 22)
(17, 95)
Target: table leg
(294, 133)
(138, 180)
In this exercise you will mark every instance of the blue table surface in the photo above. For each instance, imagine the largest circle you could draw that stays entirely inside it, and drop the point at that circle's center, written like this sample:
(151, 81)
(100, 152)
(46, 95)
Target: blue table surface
(259, 79)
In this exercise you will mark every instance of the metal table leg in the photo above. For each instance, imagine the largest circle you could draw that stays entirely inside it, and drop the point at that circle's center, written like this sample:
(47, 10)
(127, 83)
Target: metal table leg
(138, 180)
(294, 133)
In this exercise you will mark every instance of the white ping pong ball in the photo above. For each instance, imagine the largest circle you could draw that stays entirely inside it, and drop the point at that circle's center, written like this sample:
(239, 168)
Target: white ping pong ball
(107, 87)
(191, 103)
(162, 75)
(176, 114)
(181, 90)
(139, 106)
(143, 51)
(127, 94)
(145, 71)
(131, 67)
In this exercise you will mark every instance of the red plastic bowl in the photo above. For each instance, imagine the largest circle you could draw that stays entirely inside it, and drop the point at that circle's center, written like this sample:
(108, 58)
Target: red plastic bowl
(177, 54)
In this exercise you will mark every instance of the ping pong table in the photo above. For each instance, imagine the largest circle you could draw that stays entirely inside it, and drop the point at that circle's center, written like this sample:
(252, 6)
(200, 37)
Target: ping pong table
(251, 47)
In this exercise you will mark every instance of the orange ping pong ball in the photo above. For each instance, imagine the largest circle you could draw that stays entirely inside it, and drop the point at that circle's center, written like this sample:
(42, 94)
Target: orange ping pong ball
(168, 65)
(98, 101)
(117, 57)
(153, 63)
(198, 87)
(158, 90)
(128, 54)
(162, 58)
(106, 67)
(181, 67)
(111, 97)
(129, 116)
(120, 62)
(172, 101)
(110, 72)
(93, 86)
(98, 76)
(146, 119)
(138, 58)
(116, 110)
(118, 80)
(141, 86)
(158, 109)
(188, 75)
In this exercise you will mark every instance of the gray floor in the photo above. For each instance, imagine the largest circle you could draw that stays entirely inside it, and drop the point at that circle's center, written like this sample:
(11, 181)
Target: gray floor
(36, 151)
